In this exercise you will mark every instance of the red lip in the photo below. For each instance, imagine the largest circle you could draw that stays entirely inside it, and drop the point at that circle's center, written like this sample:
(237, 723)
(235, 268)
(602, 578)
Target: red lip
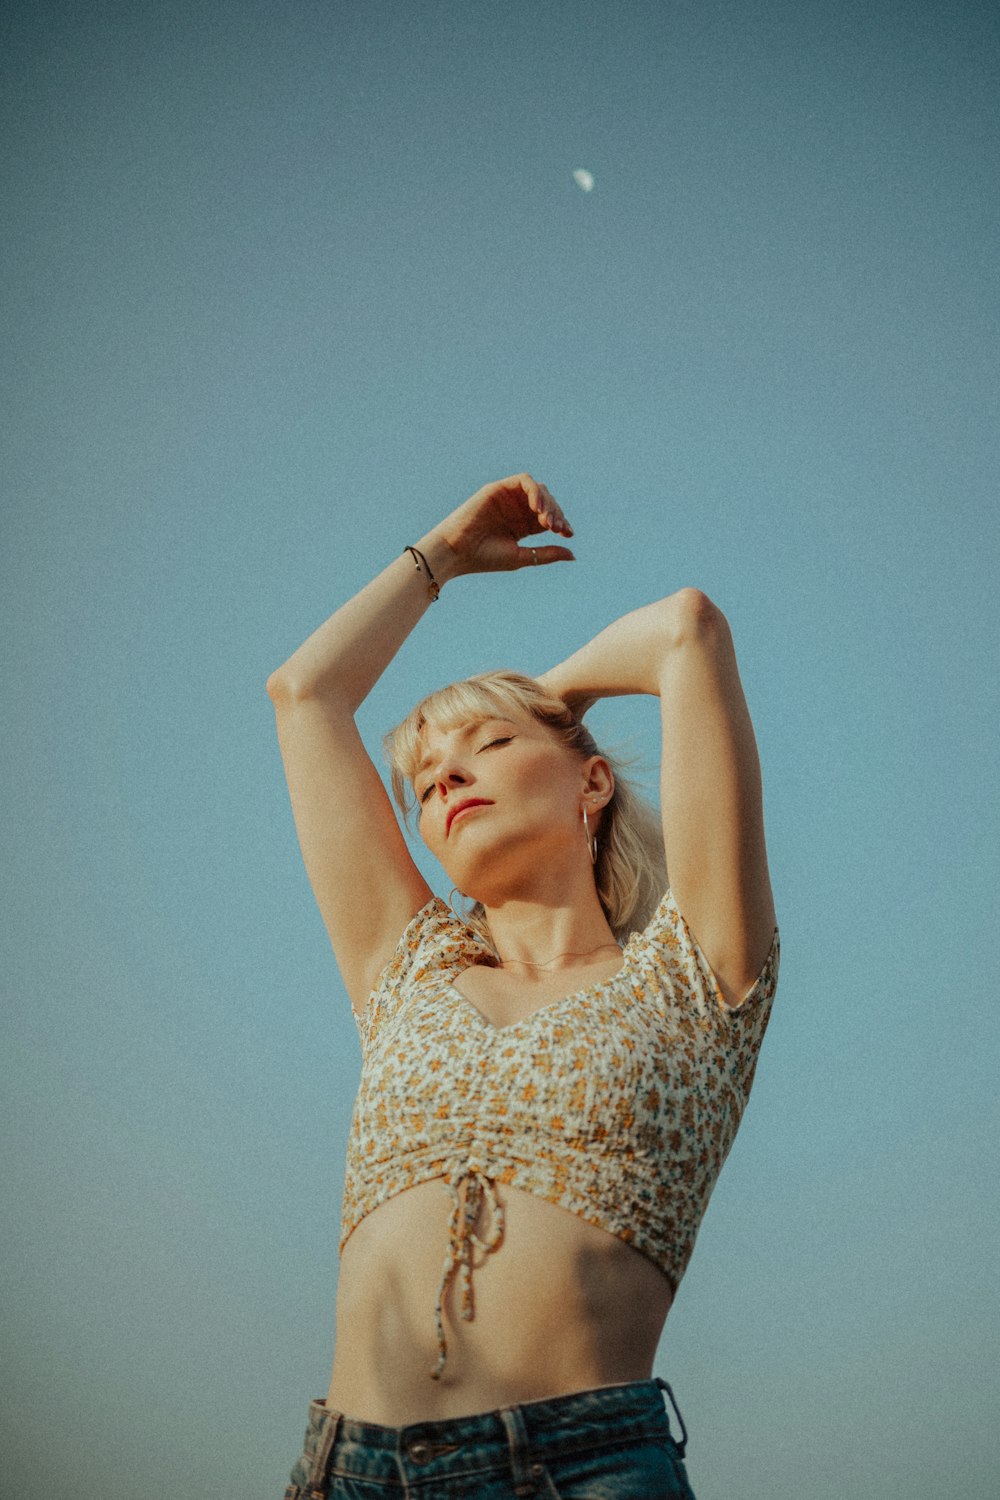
(469, 802)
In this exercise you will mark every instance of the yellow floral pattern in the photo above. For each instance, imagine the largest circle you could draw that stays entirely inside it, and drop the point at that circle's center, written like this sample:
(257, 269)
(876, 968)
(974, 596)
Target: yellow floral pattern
(619, 1102)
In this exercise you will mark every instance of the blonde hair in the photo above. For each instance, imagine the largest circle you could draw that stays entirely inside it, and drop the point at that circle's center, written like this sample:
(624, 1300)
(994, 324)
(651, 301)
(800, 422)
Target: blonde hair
(630, 873)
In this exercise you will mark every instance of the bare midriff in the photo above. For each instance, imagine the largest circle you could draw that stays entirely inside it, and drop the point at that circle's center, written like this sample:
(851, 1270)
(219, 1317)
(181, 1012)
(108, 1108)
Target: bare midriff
(560, 1306)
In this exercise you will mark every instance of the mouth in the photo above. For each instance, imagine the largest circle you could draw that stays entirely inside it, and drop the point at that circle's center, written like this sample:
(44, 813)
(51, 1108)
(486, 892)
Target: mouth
(461, 808)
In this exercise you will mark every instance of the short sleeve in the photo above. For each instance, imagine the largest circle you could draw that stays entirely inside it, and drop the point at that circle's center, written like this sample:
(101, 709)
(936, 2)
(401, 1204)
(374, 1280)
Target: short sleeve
(668, 947)
(434, 940)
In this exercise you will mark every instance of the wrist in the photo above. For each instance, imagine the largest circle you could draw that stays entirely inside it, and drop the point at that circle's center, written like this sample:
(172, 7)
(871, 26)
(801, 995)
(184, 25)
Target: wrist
(442, 559)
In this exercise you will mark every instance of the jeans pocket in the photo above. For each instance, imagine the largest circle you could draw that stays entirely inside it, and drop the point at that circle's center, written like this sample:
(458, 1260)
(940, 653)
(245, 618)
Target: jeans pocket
(646, 1469)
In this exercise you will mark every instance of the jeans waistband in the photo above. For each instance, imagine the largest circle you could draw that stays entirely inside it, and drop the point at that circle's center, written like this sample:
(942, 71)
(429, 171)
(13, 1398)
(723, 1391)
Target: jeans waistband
(529, 1430)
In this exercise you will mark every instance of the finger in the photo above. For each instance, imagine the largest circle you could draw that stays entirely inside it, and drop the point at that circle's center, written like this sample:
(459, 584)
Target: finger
(553, 512)
(543, 555)
(537, 504)
(515, 485)
(531, 489)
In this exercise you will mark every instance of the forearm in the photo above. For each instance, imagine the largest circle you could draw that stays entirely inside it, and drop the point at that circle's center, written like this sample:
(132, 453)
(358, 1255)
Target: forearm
(628, 655)
(347, 655)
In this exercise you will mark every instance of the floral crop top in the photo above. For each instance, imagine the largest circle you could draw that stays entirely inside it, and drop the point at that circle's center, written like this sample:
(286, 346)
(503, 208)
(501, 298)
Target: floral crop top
(619, 1102)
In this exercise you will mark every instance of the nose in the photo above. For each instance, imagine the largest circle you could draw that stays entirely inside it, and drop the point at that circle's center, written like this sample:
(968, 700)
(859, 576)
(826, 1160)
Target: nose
(453, 777)
(450, 774)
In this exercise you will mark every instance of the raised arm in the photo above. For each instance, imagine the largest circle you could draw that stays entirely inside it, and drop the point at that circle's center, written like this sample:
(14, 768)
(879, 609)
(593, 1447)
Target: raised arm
(366, 884)
(681, 649)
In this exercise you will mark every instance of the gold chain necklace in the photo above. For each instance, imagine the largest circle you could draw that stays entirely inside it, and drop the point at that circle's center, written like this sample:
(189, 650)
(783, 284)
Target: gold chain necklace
(570, 954)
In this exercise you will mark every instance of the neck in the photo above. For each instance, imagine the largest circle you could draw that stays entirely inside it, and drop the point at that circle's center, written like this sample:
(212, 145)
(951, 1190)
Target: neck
(553, 929)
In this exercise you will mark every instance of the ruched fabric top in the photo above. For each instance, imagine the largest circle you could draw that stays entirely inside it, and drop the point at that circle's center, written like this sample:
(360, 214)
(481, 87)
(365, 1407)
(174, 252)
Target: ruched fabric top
(619, 1102)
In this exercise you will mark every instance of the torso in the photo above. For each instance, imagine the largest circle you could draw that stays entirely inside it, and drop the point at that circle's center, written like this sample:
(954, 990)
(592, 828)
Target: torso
(561, 1306)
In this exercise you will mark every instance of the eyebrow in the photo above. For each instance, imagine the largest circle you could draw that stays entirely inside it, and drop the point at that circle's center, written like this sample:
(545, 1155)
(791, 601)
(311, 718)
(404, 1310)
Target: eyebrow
(463, 735)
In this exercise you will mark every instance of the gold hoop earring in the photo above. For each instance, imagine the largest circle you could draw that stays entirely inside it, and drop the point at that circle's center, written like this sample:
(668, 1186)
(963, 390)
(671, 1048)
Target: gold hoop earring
(458, 914)
(591, 842)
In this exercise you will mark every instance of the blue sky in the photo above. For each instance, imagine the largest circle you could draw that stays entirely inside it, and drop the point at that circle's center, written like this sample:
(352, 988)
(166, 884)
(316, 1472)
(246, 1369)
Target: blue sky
(283, 285)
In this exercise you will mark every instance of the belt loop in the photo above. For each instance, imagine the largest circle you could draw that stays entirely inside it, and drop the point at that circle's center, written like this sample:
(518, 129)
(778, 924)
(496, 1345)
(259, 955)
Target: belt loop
(318, 1483)
(512, 1418)
(684, 1432)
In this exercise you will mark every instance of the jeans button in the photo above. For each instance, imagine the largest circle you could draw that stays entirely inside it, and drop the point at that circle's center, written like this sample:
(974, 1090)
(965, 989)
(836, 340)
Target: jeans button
(420, 1452)
(538, 1470)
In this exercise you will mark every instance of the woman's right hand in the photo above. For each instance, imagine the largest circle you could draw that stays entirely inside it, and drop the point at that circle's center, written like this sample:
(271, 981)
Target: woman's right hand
(483, 532)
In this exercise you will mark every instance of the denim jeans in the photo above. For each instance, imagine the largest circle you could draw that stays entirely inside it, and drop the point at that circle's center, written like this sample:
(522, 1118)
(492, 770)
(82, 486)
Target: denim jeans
(610, 1443)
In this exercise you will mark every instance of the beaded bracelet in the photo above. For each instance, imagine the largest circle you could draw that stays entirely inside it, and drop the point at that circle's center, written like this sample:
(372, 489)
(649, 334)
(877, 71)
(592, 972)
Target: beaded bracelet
(433, 588)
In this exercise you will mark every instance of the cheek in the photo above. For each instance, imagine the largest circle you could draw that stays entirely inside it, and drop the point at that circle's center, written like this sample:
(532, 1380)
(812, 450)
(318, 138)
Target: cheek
(430, 826)
(541, 784)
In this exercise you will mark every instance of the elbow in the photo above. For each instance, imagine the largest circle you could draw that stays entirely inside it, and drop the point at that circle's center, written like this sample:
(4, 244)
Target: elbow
(691, 615)
(284, 688)
(279, 688)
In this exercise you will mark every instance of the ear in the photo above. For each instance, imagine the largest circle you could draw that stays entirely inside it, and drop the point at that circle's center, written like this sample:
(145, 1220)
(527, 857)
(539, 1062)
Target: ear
(598, 780)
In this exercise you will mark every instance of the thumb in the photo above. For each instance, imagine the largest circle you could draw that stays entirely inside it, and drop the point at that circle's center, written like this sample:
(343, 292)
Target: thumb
(544, 555)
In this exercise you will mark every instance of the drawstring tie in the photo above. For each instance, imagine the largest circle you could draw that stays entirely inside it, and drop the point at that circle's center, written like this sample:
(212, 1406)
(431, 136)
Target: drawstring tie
(462, 1241)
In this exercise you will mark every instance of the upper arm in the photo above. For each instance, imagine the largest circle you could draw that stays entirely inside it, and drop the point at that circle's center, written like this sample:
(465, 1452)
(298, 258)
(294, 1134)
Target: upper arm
(711, 797)
(366, 884)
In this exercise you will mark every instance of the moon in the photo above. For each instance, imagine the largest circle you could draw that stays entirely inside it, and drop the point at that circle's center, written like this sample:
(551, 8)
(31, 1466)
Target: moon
(583, 179)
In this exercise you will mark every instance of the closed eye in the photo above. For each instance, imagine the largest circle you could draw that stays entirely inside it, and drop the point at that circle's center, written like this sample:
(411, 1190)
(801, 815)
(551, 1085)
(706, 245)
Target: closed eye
(503, 740)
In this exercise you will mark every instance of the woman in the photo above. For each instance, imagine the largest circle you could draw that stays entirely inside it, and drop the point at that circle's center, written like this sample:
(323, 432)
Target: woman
(552, 1082)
